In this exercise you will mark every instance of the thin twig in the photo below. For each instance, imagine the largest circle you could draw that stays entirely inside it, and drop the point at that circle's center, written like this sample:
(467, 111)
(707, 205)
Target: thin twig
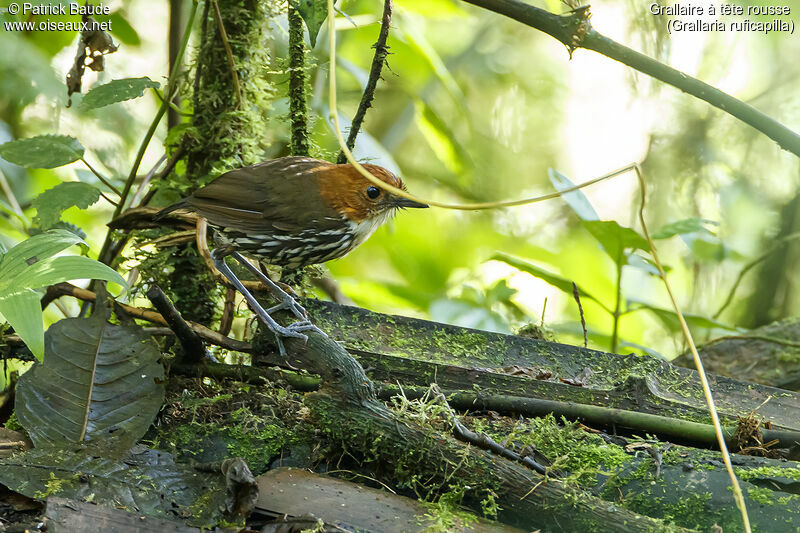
(101, 177)
(577, 296)
(193, 348)
(224, 35)
(107, 199)
(481, 440)
(381, 51)
(228, 309)
(11, 198)
(176, 156)
(146, 180)
(329, 286)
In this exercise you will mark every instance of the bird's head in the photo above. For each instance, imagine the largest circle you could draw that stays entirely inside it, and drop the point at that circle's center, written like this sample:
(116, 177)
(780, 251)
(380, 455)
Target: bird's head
(344, 189)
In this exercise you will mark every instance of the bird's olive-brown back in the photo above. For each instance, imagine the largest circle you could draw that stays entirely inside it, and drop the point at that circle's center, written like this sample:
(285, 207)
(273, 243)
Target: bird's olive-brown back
(277, 194)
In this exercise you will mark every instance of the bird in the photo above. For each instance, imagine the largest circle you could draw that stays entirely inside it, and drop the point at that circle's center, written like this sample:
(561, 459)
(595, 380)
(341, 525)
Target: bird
(292, 212)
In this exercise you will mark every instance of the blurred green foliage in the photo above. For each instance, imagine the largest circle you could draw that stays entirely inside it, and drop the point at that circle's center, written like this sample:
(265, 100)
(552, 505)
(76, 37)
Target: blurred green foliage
(476, 107)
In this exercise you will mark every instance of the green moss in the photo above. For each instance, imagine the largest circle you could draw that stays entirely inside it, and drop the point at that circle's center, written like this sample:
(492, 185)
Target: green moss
(54, 486)
(747, 474)
(256, 426)
(761, 495)
(13, 423)
(446, 514)
(583, 456)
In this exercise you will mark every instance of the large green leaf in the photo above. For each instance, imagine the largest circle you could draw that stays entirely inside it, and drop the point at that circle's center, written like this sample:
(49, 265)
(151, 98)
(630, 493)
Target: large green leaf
(314, 13)
(682, 227)
(33, 250)
(669, 318)
(43, 151)
(98, 383)
(22, 310)
(145, 481)
(117, 91)
(440, 138)
(563, 284)
(615, 239)
(64, 268)
(52, 202)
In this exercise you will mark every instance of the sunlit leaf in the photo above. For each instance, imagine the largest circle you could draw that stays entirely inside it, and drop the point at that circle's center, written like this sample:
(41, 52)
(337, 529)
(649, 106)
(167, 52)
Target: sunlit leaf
(416, 39)
(65, 268)
(615, 239)
(670, 319)
(32, 250)
(117, 91)
(465, 314)
(22, 310)
(43, 151)
(563, 284)
(52, 202)
(575, 199)
(439, 138)
(121, 28)
(682, 227)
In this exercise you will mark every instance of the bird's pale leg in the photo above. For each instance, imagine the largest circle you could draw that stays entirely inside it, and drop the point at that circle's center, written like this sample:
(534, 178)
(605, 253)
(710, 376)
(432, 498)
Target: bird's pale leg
(285, 299)
(292, 330)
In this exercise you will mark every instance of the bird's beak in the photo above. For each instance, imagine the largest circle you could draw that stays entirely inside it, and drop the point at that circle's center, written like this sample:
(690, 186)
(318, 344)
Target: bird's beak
(399, 201)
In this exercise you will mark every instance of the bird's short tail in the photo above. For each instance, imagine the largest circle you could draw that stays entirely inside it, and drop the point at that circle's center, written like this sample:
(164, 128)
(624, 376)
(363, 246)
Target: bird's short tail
(167, 210)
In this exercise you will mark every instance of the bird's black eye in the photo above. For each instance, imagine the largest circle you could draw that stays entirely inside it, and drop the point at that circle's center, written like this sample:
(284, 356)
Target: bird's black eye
(373, 192)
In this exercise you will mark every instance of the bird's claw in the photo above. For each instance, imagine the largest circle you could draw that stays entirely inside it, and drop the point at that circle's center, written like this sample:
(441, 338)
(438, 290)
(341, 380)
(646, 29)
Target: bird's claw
(290, 304)
(293, 330)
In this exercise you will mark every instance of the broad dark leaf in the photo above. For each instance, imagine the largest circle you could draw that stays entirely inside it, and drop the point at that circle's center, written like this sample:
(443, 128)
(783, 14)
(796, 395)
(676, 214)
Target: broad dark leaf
(98, 382)
(144, 481)
(44, 151)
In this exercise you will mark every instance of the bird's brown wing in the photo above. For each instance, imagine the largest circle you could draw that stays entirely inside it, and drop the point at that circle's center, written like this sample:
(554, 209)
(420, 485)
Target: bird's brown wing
(277, 194)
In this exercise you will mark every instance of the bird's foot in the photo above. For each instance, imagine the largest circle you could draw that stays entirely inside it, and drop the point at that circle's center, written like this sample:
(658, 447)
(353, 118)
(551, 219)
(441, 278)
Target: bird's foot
(291, 305)
(294, 329)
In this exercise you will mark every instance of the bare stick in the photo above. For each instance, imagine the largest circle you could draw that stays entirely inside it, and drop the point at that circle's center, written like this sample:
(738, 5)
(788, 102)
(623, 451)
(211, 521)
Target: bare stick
(224, 35)
(193, 348)
(67, 289)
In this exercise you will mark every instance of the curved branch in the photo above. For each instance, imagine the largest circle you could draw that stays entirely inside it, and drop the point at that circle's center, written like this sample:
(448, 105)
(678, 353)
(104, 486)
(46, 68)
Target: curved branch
(574, 31)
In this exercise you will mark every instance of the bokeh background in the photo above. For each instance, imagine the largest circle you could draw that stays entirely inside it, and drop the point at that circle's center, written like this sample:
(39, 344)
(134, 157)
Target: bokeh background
(477, 107)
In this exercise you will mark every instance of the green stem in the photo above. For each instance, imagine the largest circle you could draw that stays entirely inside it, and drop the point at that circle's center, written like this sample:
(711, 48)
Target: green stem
(298, 112)
(149, 135)
(617, 313)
